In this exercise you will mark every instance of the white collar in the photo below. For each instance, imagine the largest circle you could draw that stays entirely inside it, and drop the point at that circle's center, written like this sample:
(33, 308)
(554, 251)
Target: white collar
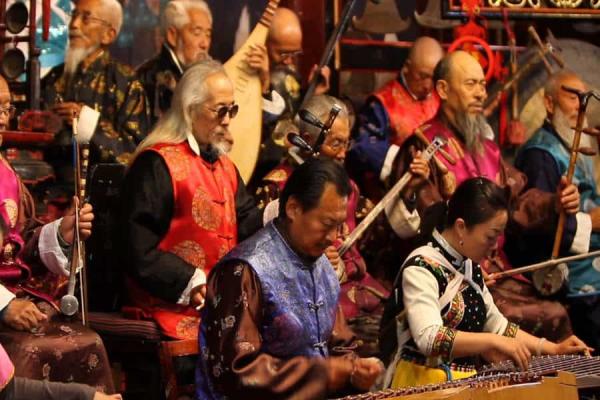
(174, 58)
(193, 144)
(458, 258)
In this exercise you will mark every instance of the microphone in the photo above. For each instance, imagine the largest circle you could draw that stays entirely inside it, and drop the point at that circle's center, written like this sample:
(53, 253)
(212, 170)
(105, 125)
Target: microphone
(297, 141)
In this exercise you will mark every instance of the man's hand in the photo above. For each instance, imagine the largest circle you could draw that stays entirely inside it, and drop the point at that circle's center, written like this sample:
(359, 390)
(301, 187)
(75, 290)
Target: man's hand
(336, 261)
(568, 197)
(366, 371)
(323, 85)
(197, 296)
(67, 111)
(23, 315)
(339, 370)
(419, 167)
(86, 216)
(258, 59)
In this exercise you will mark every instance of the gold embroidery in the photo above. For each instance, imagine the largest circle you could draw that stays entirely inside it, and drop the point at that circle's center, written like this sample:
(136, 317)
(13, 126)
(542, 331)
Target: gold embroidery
(12, 211)
(187, 327)
(203, 211)
(176, 161)
(277, 175)
(191, 252)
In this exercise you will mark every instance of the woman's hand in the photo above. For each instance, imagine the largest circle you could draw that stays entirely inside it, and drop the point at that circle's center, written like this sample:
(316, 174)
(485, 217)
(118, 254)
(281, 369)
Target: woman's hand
(572, 345)
(514, 349)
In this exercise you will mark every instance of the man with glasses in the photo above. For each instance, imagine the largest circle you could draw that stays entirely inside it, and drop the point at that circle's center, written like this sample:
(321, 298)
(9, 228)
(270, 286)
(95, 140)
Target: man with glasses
(187, 29)
(184, 205)
(277, 67)
(91, 77)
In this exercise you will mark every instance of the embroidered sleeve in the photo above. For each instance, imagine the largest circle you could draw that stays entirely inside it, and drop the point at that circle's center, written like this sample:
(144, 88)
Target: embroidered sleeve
(120, 133)
(420, 293)
(234, 360)
(443, 343)
(511, 330)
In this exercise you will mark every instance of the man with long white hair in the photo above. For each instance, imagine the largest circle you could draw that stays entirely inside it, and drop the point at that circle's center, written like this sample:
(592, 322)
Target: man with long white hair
(91, 77)
(544, 158)
(184, 205)
(187, 29)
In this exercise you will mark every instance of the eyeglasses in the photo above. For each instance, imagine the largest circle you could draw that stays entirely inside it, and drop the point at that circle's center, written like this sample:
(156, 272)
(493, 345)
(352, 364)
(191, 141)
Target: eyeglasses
(290, 54)
(8, 111)
(336, 145)
(222, 111)
(86, 18)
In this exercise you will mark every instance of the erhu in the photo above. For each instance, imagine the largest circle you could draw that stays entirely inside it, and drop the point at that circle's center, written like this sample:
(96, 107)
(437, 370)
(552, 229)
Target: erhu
(549, 281)
(83, 130)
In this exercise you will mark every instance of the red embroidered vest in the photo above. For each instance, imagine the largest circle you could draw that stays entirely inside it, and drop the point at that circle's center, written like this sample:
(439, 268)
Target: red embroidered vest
(405, 113)
(203, 227)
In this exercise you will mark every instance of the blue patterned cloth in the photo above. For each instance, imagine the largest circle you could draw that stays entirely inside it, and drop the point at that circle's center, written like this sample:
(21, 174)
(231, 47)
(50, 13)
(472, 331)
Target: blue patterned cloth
(299, 299)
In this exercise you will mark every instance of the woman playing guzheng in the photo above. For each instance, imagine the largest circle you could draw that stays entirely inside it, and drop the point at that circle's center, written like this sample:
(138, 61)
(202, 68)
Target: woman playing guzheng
(441, 315)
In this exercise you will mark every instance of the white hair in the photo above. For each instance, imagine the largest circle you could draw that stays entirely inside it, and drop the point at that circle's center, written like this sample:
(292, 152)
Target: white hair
(551, 87)
(190, 92)
(112, 12)
(176, 13)
(320, 106)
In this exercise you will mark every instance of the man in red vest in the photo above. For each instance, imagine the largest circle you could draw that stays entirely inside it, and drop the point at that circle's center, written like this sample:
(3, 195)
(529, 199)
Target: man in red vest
(394, 111)
(184, 203)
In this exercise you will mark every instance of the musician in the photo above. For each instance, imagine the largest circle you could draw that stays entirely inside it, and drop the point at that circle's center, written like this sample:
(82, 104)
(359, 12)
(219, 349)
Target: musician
(460, 83)
(187, 31)
(184, 204)
(544, 158)
(90, 76)
(450, 315)
(393, 112)
(276, 64)
(33, 270)
(361, 296)
(270, 318)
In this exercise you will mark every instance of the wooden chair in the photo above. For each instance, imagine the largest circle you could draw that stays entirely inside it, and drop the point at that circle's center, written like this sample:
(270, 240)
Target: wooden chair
(169, 350)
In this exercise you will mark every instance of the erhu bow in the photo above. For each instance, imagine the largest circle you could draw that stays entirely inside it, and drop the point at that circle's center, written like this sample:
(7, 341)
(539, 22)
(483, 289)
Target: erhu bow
(83, 130)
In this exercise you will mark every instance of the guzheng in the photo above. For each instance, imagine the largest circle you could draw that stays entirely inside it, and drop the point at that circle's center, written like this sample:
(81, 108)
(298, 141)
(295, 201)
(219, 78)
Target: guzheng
(489, 386)
(585, 369)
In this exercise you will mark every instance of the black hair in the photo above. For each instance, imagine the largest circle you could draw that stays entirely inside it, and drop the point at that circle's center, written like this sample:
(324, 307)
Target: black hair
(307, 183)
(476, 200)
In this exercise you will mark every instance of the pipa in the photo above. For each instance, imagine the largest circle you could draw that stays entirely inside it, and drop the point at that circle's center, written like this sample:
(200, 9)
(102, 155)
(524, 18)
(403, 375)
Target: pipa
(246, 127)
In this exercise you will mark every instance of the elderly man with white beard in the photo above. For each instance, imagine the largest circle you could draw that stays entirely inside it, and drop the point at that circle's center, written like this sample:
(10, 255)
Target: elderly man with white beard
(460, 83)
(544, 158)
(187, 29)
(184, 205)
(91, 77)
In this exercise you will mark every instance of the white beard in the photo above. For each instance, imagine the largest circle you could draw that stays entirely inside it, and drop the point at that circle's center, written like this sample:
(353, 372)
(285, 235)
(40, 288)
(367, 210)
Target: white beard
(565, 130)
(475, 130)
(74, 57)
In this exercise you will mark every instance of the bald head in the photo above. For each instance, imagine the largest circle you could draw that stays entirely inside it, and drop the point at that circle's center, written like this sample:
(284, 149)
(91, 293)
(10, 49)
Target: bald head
(285, 38)
(418, 68)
